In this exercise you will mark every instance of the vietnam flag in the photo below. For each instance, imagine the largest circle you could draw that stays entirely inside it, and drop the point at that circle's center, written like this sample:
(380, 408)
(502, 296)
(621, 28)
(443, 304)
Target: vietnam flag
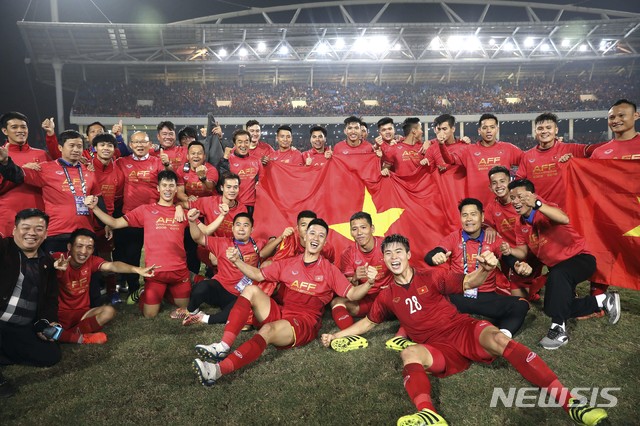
(603, 202)
(411, 206)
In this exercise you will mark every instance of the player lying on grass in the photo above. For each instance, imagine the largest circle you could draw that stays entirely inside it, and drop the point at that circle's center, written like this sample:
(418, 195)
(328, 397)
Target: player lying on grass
(448, 341)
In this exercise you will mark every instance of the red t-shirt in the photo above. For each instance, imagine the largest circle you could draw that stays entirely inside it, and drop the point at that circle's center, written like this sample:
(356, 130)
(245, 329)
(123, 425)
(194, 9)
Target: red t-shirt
(209, 209)
(343, 148)
(306, 289)
(454, 243)
(163, 236)
(291, 157)
(177, 156)
(478, 159)
(503, 218)
(73, 284)
(353, 257)
(619, 150)
(451, 178)
(551, 242)
(421, 307)
(541, 167)
(141, 180)
(228, 275)
(14, 198)
(59, 201)
(111, 182)
(317, 158)
(249, 168)
(404, 158)
(261, 150)
(192, 183)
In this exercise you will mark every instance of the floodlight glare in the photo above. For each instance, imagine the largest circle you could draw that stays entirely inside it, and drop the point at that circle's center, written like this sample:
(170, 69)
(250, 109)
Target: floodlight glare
(283, 50)
(455, 43)
(545, 47)
(435, 44)
(397, 47)
(222, 52)
(339, 43)
(583, 47)
(322, 49)
(492, 42)
(566, 42)
(262, 46)
(509, 47)
(243, 52)
(528, 42)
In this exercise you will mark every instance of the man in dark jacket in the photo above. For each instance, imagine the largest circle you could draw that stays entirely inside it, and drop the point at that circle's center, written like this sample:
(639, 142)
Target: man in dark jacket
(28, 296)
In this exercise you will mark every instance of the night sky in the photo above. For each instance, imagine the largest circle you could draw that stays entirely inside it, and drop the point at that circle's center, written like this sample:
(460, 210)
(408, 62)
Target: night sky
(20, 90)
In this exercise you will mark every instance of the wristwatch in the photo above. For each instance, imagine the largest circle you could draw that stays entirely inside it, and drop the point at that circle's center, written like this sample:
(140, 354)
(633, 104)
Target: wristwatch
(537, 205)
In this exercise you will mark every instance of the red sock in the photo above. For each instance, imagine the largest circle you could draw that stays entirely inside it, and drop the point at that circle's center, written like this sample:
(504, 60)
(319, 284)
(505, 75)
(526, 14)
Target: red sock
(70, 336)
(246, 353)
(597, 288)
(535, 370)
(89, 325)
(418, 386)
(341, 317)
(237, 319)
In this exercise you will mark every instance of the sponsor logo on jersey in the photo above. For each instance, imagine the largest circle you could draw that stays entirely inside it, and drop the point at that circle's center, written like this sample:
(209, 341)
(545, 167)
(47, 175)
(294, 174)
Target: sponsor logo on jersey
(609, 151)
(59, 173)
(498, 213)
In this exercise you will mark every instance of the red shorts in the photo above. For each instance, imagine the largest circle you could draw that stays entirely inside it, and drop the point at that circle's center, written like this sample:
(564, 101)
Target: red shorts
(365, 304)
(305, 329)
(458, 349)
(175, 282)
(71, 317)
(516, 281)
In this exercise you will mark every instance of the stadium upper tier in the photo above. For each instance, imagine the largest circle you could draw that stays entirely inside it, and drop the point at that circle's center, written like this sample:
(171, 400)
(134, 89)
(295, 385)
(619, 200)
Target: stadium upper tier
(155, 98)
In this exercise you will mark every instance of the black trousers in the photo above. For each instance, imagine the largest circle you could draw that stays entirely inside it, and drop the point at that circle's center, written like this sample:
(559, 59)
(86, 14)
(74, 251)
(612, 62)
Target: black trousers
(57, 243)
(506, 312)
(128, 249)
(560, 302)
(20, 345)
(191, 248)
(212, 293)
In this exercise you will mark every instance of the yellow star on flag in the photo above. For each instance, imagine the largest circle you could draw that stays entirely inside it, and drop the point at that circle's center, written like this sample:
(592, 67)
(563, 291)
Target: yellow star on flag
(635, 232)
(382, 220)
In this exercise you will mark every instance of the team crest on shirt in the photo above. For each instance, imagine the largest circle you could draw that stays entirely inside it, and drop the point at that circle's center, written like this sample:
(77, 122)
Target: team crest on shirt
(358, 262)
(498, 213)
(345, 152)
(423, 290)
(236, 164)
(500, 152)
(84, 272)
(525, 230)
(318, 277)
(609, 151)
(532, 160)
(477, 153)
(58, 172)
(154, 212)
(396, 300)
(294, 272)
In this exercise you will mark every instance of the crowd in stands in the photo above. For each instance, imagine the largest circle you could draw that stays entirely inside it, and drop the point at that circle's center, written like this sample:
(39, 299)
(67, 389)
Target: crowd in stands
(116, 98)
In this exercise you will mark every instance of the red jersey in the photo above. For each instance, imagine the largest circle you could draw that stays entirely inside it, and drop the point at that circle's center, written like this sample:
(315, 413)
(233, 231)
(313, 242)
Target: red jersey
(228, 275)
(163, 236)
(209, 209)
(249, 169)
(503, 218)
(353, 257)
(261, 150)
(192, 183)
(343, 148)
(73, 284)
(14, 198)
(141, 180)
(177, 156)
(51, 142)
(421, 307)
(451, 178)
(619, 150)
(317, 158)
(291, 157)
(111, 182)
(551, 242)
(291, 246)
(404, 158)
(541, 167)
(458, 243)
(478, 159)
(306, 289)
(59, 200)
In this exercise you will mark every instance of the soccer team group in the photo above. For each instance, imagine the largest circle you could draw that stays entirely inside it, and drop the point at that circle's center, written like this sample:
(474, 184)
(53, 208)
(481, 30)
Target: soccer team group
(188, 200)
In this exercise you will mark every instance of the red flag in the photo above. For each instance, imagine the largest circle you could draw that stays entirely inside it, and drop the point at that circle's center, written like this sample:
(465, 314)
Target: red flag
(603, 202)
(345, 185)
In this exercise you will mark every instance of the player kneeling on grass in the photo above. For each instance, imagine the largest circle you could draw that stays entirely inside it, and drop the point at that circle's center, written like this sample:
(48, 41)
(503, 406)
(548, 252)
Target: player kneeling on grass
(163, 244)
(307, 283)
(81, 323)
(449, 341)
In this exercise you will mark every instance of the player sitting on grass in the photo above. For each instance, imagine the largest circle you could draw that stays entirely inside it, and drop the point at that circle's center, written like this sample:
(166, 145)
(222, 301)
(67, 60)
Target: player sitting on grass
(307, 283)
(448, 342)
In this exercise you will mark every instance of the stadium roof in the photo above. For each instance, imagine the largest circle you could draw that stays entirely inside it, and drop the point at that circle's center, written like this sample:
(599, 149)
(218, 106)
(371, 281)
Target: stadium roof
(340, 41)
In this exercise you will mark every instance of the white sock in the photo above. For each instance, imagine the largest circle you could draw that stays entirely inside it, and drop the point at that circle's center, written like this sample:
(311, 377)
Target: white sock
(506, 332)
(194, 312)
(553, 324)
(205, 319)
(600, 299)
(225, 347)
